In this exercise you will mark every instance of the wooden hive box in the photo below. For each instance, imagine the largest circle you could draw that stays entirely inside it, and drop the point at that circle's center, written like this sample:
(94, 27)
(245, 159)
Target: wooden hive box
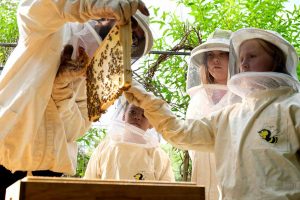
(41, 188)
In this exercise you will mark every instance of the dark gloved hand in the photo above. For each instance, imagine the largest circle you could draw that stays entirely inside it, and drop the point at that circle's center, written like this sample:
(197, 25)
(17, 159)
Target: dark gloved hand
(70, 69)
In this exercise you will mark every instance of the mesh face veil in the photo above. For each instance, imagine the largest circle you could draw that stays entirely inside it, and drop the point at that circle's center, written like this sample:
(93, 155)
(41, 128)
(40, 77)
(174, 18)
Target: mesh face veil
(272, 37)
(144, 45)
(85, 35)
(245, 83)
(217, 41)
(206, 97)
(120, 131)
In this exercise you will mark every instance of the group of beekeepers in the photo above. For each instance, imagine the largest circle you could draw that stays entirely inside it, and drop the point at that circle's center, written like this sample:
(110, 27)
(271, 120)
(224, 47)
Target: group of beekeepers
(242, 126)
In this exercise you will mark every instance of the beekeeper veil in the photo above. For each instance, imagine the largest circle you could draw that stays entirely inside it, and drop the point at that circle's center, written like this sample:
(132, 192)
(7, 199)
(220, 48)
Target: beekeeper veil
(82, 35)
(245, 83)
(88, 36)
(129, 132)
(141, 45)
(206, 96)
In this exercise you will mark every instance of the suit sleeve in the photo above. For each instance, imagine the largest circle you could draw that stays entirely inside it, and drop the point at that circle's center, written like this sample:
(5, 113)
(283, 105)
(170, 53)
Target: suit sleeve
(71, 101)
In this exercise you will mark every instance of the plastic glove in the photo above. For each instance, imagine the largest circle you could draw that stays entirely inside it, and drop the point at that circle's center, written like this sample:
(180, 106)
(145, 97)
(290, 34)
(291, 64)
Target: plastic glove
(70, 69)
(121, 10)
(191, 134)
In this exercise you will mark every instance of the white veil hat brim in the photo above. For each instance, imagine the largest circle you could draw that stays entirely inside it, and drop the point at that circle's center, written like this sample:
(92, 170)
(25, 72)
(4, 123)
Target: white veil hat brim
(238, 37)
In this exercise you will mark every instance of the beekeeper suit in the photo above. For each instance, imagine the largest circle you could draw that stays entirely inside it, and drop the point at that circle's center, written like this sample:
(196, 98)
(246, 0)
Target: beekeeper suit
(129, 152)
(206, 97)
(256, 142)
(42, 113)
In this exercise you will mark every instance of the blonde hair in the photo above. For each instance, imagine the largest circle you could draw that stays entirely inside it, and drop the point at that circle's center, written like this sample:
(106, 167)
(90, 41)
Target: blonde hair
(279, 58)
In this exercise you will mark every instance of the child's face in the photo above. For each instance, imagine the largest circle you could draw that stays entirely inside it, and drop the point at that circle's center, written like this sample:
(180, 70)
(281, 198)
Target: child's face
(135, 116)
(254, 58)
(217, 62)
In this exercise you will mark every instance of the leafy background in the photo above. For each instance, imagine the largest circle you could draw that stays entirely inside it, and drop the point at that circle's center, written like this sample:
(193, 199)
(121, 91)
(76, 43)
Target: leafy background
(165, 75)
(8, 27)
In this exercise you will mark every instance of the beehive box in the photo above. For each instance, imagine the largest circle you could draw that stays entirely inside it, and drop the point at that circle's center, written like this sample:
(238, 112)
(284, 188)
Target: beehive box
(41, 188)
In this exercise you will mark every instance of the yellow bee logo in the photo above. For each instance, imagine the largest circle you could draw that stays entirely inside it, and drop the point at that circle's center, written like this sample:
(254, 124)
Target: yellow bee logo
(266, 135)
(139, 176)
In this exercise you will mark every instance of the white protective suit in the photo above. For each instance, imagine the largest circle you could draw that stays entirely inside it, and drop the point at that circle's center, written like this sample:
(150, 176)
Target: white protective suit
(206, 98)
(38, 113)
(256, 142)
(129, 153)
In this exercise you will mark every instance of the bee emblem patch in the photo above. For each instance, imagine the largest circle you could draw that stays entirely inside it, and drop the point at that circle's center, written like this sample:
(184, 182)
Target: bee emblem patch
(139, 176)
(267, 135)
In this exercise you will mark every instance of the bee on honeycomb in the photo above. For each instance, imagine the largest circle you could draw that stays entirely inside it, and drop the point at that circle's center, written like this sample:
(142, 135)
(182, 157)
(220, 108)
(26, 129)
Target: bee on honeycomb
(109, 71)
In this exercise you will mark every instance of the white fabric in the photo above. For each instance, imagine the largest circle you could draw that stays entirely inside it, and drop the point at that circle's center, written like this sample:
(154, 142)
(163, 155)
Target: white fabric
(248, 166)
(246, 83)
(238, 37)
(124, 161)
(33, 135)
(143, 22)
(150, 137)
(217, 41)
(204, 172)
(204, 100)
(121, 132)
(83, 35)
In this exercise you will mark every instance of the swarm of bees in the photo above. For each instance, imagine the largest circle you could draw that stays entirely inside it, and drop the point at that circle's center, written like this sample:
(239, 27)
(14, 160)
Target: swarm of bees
(109, 71)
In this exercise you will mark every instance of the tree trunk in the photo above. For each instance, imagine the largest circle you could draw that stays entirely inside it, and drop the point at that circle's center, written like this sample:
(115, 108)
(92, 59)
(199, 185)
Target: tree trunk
(186, 163)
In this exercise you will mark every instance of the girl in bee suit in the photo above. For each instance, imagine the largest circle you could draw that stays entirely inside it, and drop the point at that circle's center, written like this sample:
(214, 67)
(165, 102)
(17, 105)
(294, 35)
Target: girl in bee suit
(130, 150)
(256, 142)
(206, 85)
(42, 88)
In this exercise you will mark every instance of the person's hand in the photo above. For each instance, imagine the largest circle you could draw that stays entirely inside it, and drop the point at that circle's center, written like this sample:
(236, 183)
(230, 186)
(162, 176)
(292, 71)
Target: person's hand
(121, 10)
(70, 69)
(137, 95)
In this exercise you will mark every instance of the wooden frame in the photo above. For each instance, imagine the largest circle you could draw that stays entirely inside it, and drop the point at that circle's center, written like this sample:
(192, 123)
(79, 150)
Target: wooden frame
(41, 188)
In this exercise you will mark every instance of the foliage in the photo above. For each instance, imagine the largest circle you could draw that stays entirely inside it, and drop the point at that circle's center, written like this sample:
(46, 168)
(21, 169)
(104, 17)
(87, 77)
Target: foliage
(8, 21)
(8, 27)
(176, 156)
(165, 75)
(233, 15)
(87, 144)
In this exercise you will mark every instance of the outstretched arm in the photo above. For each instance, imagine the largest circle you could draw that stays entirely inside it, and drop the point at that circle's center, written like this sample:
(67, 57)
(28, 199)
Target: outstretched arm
(189, 134)
(49, 15)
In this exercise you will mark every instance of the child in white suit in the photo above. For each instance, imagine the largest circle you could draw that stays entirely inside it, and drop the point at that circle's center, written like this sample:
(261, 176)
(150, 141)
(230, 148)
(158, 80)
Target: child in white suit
(129, 151)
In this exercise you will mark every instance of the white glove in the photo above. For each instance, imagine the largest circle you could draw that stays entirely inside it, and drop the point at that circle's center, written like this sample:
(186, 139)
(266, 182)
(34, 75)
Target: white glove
(138, 96)
(121, 10)
(191, 134)
(135, 94)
